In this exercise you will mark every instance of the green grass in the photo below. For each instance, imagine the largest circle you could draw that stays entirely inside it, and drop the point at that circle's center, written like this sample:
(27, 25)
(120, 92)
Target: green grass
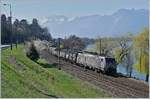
(25, 78)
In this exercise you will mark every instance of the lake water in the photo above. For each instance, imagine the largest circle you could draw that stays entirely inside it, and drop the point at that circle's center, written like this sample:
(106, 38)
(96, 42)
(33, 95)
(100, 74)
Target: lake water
(135, 74)
(122, 69)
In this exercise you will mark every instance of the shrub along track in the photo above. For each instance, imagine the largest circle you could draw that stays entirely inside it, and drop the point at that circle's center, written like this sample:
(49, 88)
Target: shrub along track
(116, 85)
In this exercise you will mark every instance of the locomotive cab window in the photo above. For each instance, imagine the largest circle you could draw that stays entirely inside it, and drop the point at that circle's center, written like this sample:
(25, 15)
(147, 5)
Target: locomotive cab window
(110, 61)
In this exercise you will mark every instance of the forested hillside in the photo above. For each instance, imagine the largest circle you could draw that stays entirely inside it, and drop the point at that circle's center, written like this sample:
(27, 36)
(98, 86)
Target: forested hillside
(21, 30)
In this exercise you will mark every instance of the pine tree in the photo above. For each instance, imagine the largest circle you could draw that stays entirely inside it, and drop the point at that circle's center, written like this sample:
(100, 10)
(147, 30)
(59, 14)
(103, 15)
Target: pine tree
(32, 53)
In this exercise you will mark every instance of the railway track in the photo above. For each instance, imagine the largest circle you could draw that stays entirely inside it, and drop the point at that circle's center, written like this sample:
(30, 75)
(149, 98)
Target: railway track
(117, 89)
(122, 81)
(117, 86)
(102, 84)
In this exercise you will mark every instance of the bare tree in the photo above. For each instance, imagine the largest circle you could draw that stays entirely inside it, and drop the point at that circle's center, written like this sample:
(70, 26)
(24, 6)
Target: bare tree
(105, 46)
(74, 43)
(123, 53)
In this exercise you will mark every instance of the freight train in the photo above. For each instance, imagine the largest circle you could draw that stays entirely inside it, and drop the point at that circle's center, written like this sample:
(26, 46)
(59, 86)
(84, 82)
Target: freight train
(87, 60)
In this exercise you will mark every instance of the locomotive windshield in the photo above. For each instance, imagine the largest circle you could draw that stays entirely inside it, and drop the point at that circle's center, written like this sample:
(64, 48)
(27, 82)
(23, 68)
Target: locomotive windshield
(110, 61)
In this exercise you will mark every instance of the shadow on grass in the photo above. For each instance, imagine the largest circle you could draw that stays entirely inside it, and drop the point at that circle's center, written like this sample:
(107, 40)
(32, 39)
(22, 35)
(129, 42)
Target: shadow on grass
(50, 96)
(46, 65)
(47, 94)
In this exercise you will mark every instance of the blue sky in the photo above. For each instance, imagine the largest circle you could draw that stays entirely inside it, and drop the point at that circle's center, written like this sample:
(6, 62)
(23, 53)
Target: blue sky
(42, 9)
(70, 8)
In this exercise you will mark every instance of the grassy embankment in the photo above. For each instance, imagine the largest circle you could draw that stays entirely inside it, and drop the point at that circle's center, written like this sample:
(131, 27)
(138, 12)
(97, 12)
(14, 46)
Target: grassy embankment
(22, 77)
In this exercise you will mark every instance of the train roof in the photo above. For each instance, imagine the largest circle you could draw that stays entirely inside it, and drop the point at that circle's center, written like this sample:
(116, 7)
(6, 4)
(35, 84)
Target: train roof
(83, 52)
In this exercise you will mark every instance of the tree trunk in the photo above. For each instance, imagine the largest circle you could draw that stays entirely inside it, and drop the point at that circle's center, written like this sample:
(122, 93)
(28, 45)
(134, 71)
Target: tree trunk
(147, 77)
(127, 70)
(130, 74)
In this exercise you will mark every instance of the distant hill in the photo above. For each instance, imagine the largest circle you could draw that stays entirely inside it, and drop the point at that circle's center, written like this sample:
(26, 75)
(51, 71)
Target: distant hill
(116, 24)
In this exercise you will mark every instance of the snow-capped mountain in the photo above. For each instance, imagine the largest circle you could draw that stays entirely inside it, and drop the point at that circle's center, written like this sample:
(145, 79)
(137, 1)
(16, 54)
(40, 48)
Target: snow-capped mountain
(116, 24)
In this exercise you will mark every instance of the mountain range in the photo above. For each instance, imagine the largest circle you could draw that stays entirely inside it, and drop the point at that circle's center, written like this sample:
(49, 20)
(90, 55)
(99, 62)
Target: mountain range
(116, 24)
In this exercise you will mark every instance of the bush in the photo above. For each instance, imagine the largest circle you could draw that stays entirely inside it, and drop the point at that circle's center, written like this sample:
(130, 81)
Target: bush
(32, 52)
